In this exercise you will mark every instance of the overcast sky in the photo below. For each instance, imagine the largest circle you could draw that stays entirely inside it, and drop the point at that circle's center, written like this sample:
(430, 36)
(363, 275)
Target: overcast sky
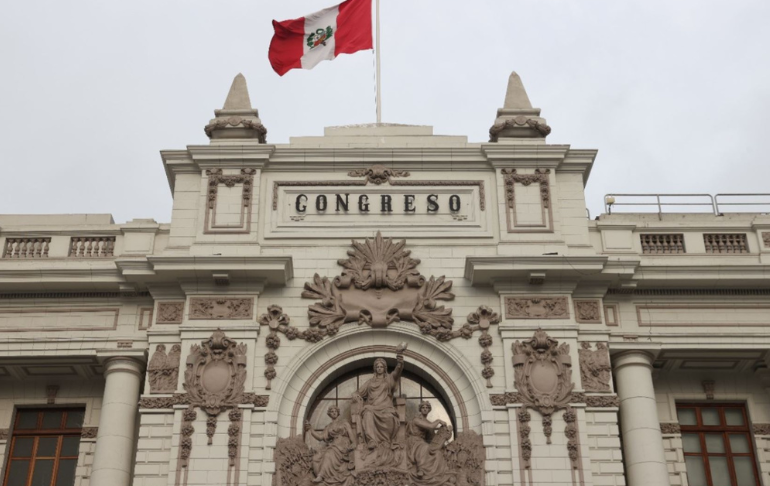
(674, 94)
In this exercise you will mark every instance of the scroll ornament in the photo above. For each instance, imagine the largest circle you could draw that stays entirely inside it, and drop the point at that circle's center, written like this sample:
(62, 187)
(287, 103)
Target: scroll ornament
(378, 286)
(543, 375)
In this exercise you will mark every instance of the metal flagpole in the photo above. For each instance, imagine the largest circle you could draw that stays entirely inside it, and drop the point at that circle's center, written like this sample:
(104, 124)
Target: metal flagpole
(377, 54)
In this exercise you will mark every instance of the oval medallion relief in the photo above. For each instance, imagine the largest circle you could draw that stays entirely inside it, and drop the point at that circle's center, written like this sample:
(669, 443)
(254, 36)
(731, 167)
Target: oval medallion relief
(215, 377)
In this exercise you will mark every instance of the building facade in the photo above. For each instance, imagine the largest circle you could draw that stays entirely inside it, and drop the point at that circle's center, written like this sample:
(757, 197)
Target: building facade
(381, 306)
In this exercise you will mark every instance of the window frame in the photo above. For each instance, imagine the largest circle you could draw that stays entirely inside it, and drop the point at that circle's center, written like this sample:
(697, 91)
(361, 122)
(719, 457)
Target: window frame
(38, 433)
(724, 430)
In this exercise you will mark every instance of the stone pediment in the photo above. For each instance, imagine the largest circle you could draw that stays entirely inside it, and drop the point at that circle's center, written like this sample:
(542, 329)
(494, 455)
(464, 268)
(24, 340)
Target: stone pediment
(380, 284)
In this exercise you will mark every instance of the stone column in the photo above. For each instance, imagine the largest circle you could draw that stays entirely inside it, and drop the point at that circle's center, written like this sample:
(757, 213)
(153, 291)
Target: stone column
(116, 439)
(642, 441)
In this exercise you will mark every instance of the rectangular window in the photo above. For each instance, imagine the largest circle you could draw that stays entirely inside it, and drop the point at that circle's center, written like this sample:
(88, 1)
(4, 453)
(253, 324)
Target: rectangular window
(44, 447)
(717, 445)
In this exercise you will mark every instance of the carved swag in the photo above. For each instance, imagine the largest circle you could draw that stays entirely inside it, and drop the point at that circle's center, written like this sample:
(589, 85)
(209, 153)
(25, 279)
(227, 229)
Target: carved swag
(380, 285)
(377, 446)
(543, 376)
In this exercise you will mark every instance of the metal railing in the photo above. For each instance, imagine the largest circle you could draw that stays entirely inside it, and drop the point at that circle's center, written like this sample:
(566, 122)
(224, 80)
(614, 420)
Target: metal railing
(690, 203)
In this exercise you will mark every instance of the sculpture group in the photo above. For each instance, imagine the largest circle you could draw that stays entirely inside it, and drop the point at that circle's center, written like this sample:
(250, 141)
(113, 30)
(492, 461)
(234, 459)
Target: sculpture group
(377, 445)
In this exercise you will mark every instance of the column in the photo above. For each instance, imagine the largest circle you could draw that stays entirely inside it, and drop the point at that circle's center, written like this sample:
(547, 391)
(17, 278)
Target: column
(643, 453)
(116, 439)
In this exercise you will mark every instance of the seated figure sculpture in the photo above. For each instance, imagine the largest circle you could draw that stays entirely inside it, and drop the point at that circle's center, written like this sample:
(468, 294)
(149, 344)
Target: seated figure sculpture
(424, 446)
(332, 465)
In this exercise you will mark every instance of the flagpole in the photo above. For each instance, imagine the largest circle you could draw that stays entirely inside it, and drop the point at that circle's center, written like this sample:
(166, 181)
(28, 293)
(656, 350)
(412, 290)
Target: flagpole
(377, 57)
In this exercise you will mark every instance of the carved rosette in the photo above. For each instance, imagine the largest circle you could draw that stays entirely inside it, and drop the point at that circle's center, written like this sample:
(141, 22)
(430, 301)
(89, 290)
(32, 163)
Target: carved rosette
(378, 174)
(378, 286)
(170, 312)
(163, 369)
(595, 368)
(543, 375)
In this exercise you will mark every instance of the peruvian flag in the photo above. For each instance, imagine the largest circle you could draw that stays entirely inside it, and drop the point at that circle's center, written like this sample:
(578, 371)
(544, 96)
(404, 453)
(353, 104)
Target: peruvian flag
(304, 42)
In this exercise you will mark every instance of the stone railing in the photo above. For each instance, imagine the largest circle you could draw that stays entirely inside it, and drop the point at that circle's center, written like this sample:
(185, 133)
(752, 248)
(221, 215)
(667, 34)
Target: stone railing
(92, 247)
(26, 247)
(725, 243)
(662, 243)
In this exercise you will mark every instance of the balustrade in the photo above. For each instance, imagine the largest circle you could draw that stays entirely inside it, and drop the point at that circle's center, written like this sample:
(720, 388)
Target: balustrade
(725, 243)
(26, 247)
(662, 243)
(92, 246)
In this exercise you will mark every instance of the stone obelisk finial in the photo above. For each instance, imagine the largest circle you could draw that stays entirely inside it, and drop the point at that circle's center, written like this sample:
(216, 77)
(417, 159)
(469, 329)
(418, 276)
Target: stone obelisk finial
(237, 119)
(517, 119)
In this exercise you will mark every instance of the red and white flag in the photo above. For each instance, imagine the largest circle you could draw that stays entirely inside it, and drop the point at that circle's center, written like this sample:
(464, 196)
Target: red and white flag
(304, 42)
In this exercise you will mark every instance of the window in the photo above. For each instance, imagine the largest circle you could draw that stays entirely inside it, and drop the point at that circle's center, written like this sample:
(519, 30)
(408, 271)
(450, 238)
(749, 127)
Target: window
(717, 445)
(44, 447)
(339, 391)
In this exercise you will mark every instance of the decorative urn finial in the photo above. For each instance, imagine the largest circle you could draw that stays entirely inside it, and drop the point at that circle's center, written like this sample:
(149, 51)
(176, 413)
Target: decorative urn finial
(517, 119)
(237, 119)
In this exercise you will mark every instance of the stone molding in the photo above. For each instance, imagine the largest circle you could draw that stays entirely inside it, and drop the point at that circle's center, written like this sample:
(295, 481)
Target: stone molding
(215, 178)
(537, 307)
(71, 295)
(588, 311)
(540, 177)
(89, 432)
(611, 315)
(602, 401)
(543, 375)
(596, 401)
(163, 369)
(692, 292)
(51, 391)
(237, 122)
(168, 402)
(61, 310)
(595, 368)
(221, 308)
(170, 313)
(670, 428)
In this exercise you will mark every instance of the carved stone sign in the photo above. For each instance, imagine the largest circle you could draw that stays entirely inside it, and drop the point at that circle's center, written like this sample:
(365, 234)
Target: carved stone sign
(536, 307)
(380, 285)
(595, 368)
(543, 375)
(378, 446)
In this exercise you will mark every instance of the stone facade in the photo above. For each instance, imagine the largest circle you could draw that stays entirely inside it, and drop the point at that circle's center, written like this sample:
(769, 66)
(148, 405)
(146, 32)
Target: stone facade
(559, 347)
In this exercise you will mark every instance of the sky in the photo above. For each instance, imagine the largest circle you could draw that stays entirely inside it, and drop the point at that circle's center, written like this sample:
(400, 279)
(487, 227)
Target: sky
(675, 95)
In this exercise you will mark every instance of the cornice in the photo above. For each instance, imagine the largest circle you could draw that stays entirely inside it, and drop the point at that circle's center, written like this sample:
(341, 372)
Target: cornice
(275, 270)
(486, 270)
(521, 155)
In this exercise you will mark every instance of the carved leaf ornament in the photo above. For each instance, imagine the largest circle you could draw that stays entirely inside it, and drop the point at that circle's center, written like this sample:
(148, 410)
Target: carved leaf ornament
(378, 286)
(543, 375)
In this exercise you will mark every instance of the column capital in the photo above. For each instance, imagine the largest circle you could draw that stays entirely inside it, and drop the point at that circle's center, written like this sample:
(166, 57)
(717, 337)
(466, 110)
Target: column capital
(638, 357)
(122, 360)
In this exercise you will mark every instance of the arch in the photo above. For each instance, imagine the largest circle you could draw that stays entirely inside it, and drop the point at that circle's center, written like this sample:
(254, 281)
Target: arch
(314, 366)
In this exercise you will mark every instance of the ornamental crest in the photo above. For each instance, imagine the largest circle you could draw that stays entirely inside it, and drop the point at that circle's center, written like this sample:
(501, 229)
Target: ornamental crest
(215, 374)
(543, 375)
(319, 37)
(378, 286)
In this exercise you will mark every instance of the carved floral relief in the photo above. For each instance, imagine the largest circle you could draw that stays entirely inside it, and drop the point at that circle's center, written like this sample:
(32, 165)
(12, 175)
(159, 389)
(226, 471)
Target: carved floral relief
(536, 307)
(588, 311)
(170, 312)
(221, 308)
(378, 174)
(595, 368)
(378, 286)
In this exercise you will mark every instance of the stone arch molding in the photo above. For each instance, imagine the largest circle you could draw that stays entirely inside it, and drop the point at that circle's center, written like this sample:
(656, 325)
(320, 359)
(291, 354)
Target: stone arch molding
(313, 366)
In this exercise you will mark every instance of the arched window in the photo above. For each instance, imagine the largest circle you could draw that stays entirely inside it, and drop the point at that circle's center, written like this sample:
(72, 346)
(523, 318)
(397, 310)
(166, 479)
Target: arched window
(414, 388)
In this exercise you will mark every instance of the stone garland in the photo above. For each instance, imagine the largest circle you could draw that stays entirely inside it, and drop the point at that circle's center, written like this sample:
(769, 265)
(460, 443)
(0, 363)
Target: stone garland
(596, 401)
(278, 322)
(520, 121)
(156, 403)
(378, 174)
(234, 434)
(571, 432)
(185, 442)
(524, 431)
(540, 176)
